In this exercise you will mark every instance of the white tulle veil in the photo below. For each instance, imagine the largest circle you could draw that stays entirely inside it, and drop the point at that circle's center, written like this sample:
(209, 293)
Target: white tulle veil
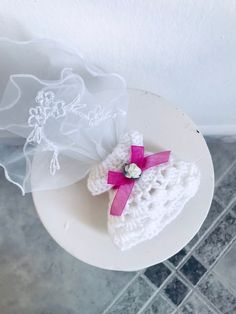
(58, 114)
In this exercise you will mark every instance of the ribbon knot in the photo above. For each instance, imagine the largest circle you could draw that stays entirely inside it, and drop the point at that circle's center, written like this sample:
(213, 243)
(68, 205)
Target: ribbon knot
(123, 184)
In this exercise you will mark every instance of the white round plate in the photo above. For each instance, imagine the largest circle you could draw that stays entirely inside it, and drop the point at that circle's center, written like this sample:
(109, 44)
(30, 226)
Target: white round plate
(78, 221)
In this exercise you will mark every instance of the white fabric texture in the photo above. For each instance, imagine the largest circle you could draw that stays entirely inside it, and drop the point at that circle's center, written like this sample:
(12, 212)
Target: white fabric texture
(55, 110)
(157, 198)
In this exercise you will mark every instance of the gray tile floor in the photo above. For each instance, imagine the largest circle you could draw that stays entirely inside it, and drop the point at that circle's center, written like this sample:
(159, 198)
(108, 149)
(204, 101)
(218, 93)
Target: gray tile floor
(38, 277)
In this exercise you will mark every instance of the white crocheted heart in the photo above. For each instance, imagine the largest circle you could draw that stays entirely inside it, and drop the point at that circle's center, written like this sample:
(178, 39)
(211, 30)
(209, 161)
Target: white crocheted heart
(157, 198)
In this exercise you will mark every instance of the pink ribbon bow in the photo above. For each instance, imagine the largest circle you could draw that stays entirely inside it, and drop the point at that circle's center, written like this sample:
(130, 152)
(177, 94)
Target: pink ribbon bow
(125, 185)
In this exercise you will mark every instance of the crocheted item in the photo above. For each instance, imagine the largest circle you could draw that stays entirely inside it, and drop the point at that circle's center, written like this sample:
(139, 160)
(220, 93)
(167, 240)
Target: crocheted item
(157, 198)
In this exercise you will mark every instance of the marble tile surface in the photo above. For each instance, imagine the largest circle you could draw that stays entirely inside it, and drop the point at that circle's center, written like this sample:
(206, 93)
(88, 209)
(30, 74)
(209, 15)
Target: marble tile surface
(176, 290)
(195, 305)
(215, 210)
(157, 274)
(225, 190)
(218, 295)
(36, 275)
(221, 150)
(226, 268)
(233, 209)
(160, 305)
(132, 300)
(213, 245)
(193, 270)
(177, 258)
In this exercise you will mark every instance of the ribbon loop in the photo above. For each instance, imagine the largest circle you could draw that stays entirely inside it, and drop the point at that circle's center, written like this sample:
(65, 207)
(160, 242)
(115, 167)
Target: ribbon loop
(137, 155)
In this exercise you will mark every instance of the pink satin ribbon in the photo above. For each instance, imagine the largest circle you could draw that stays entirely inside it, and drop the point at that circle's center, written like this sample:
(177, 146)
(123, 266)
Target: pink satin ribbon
(125, 185)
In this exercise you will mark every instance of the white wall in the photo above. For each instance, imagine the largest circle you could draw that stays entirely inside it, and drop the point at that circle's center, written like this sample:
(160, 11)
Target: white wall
(184, 50)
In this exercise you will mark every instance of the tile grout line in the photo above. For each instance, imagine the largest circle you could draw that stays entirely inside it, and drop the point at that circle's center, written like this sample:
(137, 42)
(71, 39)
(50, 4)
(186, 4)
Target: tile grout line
(151, 284)
(217, 182)
(121, 292)
(176, 270)
(168, 301)
(158, 289)
(171, 266)
(211, 227)
(209, 270)
(218, 201)
(231, 202)
(193, 289)
(224, 251)
(225, 283)
(207, 304)
(202, 237)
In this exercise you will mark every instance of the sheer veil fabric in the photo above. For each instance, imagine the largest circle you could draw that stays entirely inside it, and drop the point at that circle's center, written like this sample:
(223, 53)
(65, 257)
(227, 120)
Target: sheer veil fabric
(57, 112)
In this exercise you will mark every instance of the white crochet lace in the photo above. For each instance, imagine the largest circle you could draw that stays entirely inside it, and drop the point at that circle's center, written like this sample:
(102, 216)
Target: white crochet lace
(158, 197)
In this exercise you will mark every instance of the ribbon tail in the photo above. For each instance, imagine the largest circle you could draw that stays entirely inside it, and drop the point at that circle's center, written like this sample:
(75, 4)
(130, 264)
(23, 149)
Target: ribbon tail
(156, 159)
(121, 198)
(116, 178)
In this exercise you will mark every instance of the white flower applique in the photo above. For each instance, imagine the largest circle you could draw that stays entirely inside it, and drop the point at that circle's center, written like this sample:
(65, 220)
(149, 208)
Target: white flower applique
(36, 120)
(98, 114)
(48, 106)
